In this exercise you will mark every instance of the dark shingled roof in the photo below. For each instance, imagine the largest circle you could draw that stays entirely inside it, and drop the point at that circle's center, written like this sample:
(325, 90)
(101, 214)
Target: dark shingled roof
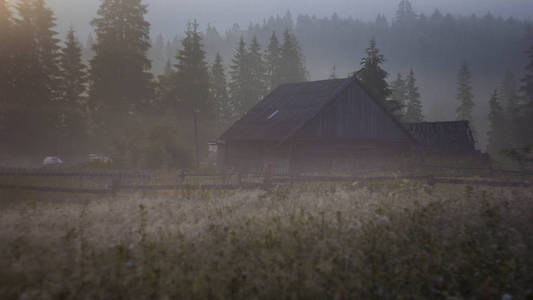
(280, 114)
(453, 136)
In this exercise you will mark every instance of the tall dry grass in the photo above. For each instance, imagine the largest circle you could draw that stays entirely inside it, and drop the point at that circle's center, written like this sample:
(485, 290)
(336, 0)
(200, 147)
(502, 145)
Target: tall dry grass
(383, 241)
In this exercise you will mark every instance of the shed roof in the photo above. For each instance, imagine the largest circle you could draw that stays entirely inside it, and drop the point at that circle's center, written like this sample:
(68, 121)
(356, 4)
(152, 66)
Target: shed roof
(444, 136)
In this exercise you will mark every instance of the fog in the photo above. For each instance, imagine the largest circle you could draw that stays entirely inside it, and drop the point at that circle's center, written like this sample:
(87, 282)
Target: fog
(169, 16)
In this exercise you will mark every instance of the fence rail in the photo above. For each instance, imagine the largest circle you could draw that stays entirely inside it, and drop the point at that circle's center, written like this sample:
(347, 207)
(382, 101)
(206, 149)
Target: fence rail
(267, 184)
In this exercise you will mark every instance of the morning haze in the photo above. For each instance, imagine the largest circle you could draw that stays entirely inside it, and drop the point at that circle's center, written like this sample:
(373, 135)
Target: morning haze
(255, 149)
(169, 16)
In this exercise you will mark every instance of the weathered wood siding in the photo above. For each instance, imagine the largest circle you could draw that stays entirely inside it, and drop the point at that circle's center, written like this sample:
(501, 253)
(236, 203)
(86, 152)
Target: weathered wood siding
(354, 116)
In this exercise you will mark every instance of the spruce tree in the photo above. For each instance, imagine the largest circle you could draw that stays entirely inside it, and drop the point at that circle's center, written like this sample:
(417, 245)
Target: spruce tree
(292, 61)
(34, 78)
(414, 106)
(273, 62)
(526, 120)
(73, 89)
(510, 102)
(405, 13)
(120, 81)
(496, 134)
(333, 74)
(6, 58)
(219, 93)
(399, 95)
(239, 74)
(192, 74)
(48, 50)
(256, 81)
(465, 96)
(374, 77)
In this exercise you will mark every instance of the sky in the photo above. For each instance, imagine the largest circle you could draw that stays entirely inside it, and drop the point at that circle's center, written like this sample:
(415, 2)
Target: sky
(170, 16)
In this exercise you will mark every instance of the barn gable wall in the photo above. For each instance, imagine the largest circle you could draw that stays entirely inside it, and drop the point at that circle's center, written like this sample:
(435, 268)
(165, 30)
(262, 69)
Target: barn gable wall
(354, 116)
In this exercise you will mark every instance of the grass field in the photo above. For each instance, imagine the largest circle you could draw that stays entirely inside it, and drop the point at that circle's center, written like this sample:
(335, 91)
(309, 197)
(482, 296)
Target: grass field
(402, 240)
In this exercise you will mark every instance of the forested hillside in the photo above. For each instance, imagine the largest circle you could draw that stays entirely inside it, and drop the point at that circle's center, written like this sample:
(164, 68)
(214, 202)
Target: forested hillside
(136, 97)
(433, 45)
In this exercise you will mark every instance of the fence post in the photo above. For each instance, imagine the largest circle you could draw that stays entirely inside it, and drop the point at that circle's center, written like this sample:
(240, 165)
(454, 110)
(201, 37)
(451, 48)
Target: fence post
(182, 176)
(267, 183)
(431, 180)
(115, 185)
(239, 179)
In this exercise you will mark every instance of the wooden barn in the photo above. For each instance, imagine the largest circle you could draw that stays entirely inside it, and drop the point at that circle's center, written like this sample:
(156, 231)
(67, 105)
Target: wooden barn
(314, 126)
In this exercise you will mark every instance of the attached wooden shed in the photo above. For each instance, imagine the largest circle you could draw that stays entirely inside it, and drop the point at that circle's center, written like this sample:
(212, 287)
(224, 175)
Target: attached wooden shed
(313, 126)
(449, 138)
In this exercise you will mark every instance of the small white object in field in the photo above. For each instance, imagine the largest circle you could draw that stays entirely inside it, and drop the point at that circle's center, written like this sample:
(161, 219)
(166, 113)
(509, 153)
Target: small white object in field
(507, 297)
(99, 158)
(52, 160)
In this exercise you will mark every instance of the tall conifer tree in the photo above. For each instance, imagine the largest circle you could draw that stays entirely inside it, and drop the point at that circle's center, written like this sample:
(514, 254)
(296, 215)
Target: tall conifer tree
(219, 93)
(192, 74)
(292, 67)
(333, 74)
(414, 106)
(73, 89)
(239, 73)
(526, 120)
(256, 81)
(120, 81)
(6, 57)
(374, 77)
(35, 78)
(399, 95)
(465, 96)
(510, 102)
(496, 132)
(273, 62)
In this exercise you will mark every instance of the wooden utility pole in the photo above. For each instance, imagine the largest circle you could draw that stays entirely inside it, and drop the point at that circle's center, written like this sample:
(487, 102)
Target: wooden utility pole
(196, 146)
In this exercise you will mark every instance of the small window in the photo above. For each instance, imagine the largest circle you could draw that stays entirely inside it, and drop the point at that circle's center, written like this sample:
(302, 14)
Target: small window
(273, 115)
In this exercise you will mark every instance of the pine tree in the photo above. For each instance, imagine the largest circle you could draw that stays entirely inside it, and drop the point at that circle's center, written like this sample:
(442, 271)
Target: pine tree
(333, 74)
(496, 132)
(273, 62)
(399, 95)
(48, 50)
(88, 49)
(414, 106)
(526, 120)
(292, 61)
(192, 74)
(73, 89)
(510, 102)
(120, 81)
(374, 77)
(34, 78)
(239, 73)
(6, 58)
(405, 13)
(465, 96)
(256, 81)
(219, 93)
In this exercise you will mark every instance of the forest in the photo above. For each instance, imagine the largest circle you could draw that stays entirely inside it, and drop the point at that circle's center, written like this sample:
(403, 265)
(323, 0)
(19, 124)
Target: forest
(137, 98)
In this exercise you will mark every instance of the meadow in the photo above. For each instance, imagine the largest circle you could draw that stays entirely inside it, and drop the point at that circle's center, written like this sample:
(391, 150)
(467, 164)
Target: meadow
(391, 240)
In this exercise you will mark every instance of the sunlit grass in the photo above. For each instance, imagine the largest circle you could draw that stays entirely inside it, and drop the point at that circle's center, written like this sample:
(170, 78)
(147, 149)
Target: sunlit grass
(387, 240)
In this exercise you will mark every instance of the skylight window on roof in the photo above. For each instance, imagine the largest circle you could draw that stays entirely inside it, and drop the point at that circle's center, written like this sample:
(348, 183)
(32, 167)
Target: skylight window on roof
(273, 115)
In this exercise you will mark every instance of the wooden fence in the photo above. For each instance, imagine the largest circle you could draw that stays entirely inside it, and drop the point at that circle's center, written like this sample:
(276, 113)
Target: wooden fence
(135, 180)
